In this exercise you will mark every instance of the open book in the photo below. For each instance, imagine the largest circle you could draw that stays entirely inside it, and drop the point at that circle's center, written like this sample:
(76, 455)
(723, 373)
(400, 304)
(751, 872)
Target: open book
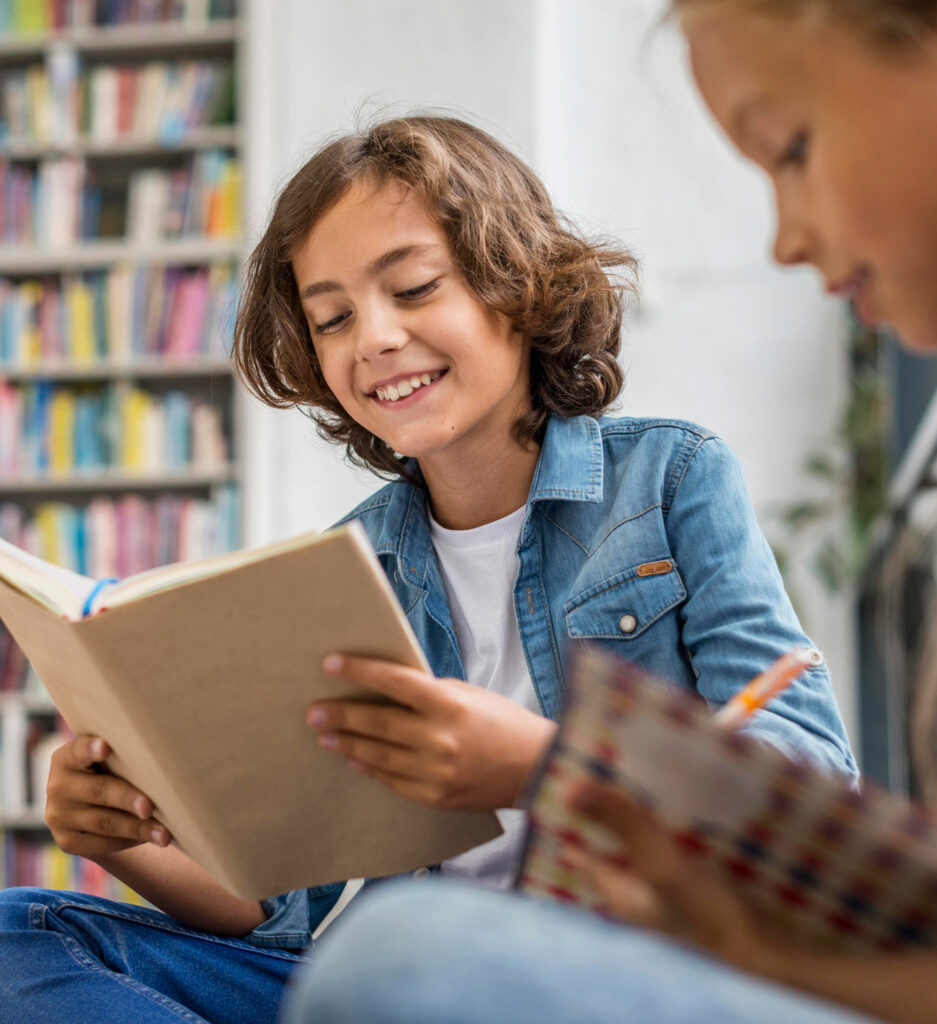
(199, 675)
(810, 854)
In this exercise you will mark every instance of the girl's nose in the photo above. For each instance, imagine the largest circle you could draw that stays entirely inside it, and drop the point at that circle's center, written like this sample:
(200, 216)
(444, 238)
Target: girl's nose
(792, 245)
(793, 239)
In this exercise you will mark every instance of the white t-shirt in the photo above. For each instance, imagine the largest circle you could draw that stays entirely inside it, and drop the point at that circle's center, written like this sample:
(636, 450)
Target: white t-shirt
(479, 570)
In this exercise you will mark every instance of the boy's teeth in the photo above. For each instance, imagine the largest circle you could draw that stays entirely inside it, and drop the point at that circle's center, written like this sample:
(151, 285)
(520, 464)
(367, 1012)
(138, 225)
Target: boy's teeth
(405, 387)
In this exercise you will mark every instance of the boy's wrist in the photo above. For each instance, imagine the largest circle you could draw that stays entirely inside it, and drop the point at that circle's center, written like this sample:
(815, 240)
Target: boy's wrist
(542, 733)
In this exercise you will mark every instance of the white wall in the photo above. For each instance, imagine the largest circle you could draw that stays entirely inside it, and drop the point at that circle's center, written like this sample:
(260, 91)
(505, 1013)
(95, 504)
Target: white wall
(597, 97)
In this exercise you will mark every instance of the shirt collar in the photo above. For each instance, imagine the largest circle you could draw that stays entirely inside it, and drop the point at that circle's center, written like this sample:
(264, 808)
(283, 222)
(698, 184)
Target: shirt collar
(570, 468)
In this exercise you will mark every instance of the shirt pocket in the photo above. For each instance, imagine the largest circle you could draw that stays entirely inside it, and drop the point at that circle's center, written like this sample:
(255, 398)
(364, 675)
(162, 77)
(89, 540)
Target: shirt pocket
(624, 606)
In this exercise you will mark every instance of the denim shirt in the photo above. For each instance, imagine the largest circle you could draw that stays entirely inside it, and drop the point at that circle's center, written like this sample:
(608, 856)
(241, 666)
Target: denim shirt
(639, 536)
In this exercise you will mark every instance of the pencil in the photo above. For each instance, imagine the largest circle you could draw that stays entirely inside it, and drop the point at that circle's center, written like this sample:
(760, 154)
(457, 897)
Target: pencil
(763, 687)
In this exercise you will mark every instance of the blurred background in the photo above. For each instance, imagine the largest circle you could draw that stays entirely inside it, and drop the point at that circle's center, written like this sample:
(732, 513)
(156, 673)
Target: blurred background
(141, 145)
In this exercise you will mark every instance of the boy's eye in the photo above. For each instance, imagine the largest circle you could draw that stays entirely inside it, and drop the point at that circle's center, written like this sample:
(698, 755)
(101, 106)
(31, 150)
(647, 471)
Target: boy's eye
(331, 325)
(419, 292)
(795, 153)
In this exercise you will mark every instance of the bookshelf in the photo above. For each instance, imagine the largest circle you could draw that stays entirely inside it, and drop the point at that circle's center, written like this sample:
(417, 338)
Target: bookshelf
(120, 241)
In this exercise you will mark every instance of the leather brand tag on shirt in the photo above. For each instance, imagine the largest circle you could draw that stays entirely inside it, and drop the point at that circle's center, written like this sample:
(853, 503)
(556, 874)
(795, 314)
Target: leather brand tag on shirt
(655, 568)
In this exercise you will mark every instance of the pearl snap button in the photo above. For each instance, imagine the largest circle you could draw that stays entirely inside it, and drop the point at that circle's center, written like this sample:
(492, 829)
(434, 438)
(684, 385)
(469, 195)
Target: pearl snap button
(421, 873)
(627, 623)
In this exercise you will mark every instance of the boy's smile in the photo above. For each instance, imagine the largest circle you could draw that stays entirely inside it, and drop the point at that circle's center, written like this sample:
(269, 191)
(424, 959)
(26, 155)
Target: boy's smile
(403, 343)
(402, 386)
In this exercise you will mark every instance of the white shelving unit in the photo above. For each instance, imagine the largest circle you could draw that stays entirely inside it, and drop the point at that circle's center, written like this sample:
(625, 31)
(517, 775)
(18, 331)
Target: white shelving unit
(106, 253)
(26, 714)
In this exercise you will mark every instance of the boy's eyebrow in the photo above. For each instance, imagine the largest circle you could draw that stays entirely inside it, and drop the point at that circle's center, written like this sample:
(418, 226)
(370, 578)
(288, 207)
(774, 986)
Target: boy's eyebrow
(380, 264)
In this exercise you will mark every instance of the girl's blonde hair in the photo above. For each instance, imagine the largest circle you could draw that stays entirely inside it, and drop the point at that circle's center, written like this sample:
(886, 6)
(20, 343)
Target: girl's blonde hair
(887, 21)
(515, 252)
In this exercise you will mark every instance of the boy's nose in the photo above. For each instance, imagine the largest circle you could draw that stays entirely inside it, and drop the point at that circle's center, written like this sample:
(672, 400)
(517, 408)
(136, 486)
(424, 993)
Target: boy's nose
(378, 334)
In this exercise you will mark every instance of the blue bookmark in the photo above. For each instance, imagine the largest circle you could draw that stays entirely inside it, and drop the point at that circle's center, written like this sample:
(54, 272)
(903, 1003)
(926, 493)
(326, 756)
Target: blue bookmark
(95, 590)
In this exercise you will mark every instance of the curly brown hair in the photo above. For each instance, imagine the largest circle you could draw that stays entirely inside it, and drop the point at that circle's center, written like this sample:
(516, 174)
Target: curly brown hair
(515, 251)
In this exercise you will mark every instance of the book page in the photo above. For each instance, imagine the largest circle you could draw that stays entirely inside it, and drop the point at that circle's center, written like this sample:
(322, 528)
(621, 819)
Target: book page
(60, 590)
(166, 577)
(202, 690)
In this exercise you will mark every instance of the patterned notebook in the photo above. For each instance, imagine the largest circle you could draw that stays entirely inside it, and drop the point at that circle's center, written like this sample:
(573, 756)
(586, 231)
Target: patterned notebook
(838, 867)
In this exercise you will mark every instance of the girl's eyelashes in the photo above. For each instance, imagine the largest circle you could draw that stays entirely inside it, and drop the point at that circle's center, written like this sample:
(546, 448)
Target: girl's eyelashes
(421, 291)
(795, 152)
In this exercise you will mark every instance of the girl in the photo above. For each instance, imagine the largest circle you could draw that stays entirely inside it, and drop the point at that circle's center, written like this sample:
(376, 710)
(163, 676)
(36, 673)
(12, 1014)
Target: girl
(416, 291)
(837, 101)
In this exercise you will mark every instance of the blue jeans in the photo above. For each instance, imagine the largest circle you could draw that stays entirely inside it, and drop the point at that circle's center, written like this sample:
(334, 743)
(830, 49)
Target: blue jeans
(428, 952)
(67, 957)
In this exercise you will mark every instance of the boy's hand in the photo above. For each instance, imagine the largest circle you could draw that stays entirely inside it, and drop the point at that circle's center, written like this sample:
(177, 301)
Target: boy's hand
(666, 888)
(90, 813)
(451, 744)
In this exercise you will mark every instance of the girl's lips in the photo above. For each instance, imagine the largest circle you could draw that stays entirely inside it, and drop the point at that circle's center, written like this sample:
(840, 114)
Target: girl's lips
(856, 290)
(862, 304)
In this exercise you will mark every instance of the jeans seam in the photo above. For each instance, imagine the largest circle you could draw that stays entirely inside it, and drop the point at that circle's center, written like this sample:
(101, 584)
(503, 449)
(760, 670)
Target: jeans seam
(75, 951)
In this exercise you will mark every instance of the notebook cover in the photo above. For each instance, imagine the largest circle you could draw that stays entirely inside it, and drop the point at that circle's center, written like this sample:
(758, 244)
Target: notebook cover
(809, 853)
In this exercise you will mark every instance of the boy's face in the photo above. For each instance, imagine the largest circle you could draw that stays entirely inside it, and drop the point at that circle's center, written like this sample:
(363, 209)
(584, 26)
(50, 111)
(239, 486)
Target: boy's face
(848, 135)
(404, 344)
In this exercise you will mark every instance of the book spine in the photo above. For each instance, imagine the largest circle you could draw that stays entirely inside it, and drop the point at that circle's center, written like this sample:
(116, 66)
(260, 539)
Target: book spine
(57, 203)
(115, 315)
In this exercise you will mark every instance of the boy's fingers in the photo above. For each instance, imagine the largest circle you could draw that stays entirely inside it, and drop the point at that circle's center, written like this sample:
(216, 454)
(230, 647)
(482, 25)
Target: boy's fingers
(84, 751)
(373, 754)
(379, 721)
(88, 844)
(114, 824)
(410, 686)
(112, 792)
(85, 845)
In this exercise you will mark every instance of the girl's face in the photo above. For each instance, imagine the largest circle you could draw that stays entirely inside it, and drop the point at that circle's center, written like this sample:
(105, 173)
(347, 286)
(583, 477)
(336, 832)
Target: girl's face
(848, 135)
(404, 344)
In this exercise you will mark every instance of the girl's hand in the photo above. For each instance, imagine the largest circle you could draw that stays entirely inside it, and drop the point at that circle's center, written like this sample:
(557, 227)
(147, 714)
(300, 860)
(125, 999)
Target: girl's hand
(666, 888)
(89, 813)
(451, 744)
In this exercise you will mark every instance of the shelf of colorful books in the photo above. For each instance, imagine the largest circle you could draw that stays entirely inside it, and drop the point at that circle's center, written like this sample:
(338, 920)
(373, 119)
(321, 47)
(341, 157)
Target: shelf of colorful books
(20, 261)
(165, 36)
(152, 369)
(33, 860)
(120, 240)
(219, 137)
